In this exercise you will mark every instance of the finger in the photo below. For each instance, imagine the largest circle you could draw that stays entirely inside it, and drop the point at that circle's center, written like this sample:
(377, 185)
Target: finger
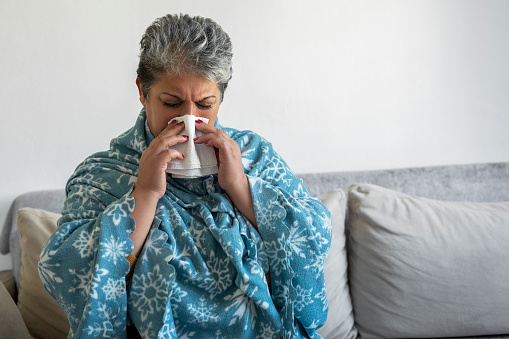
(172, 129)
(215, 133)
(162, 143)
(226, 148)
(210, 140)
(204, 127)
(170, 154)
(170, 136)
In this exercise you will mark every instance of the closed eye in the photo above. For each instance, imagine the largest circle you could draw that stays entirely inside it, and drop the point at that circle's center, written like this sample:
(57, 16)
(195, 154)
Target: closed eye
(206, 103)
(172, 105)
(202, 106)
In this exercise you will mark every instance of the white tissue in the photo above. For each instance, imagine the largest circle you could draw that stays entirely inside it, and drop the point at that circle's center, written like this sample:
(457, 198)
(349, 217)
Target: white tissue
(199, 160)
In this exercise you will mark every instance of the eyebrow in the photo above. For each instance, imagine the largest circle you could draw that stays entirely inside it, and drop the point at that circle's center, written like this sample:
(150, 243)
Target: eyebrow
(179, 98)
(176, 97)
(210, 96)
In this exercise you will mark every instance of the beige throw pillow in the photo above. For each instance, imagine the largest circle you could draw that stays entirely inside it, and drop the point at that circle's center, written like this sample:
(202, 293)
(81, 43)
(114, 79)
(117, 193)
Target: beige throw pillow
(42, 315)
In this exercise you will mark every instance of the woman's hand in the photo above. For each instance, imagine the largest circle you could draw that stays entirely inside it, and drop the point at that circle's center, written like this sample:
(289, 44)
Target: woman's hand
(153, 163)
(229, 158)
(231, 174)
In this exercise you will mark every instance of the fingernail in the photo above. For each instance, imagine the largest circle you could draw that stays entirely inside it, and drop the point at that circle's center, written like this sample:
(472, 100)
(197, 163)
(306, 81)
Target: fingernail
(173, 122)
(196, 138)
(206, 142)
(185, 136)
(181, 123)
(199, 121)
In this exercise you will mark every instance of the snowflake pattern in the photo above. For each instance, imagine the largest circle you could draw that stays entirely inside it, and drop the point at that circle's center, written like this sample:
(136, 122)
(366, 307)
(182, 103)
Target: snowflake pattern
(322, 297)
(304, 298)
(114, 289)
(118, 213)
(148, 293)
(220, 272)
(114, 249)
(202, 270)
(315, 263)
(85, 244)
(85, 281)
(203, 312)
(48, 271)
(154, 243)
(100, 330)
(277, 254)
(298, 240)
(244, 307)
(267, 331)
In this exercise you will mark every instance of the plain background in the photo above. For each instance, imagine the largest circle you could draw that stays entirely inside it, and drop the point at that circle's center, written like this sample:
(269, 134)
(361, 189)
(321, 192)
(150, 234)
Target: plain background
(334, 85)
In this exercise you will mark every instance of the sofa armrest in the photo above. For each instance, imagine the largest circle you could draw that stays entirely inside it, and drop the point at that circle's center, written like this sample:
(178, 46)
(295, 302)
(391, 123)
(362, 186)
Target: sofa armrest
(48, 200)
(11, 322)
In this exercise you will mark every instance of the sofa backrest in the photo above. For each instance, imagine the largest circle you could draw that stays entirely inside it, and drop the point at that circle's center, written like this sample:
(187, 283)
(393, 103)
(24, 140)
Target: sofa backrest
(476, 182)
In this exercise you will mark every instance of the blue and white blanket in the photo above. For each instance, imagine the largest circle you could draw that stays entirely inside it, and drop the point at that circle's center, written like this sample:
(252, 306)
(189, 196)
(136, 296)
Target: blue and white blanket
(201, 273)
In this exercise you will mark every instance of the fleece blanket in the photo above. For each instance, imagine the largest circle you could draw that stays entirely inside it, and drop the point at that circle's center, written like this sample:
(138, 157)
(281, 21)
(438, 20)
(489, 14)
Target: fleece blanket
(201, 273)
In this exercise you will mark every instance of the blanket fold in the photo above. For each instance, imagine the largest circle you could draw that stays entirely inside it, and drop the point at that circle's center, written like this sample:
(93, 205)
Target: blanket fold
(201, 272)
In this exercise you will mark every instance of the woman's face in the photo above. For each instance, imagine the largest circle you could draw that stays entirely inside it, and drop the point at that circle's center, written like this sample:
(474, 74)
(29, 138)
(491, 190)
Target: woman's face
(173, 96)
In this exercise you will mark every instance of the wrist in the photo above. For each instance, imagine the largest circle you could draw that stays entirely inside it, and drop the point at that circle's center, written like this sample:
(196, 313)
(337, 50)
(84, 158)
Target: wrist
(144, 195)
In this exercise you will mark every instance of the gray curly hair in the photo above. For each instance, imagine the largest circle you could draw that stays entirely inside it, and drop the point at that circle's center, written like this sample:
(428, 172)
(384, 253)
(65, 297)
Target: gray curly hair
(185, 45)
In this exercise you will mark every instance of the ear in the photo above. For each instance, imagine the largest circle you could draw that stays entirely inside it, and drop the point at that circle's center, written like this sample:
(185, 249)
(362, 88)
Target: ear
(140, 91)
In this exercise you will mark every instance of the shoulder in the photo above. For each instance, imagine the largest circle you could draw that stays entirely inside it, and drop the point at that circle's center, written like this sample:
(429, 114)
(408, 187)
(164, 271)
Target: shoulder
(258, 154)
(247, 139)
(108, 171)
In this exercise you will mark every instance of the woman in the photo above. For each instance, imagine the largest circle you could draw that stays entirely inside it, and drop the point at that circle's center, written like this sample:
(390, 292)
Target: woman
(200, 250)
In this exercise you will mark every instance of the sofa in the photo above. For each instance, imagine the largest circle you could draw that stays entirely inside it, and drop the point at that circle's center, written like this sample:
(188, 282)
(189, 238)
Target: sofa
(415, 253)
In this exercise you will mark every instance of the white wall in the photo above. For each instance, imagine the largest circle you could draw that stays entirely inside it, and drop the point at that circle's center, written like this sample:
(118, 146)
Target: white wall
(335, 85)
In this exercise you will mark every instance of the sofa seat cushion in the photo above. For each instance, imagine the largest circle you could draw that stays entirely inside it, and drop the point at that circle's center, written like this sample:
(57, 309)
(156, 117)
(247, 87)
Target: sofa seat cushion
(7, 278)
(426, 268)
(11, 322)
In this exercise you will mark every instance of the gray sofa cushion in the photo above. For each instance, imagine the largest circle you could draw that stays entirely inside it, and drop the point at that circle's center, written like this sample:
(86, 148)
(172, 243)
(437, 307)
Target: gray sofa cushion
(427, 268)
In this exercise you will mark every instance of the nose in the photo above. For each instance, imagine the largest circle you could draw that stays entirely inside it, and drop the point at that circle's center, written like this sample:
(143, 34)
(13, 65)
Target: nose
(189, 109)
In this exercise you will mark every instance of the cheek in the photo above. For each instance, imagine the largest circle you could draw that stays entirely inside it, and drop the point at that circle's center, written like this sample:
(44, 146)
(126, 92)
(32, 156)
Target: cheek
(156, 125)
(212, 117)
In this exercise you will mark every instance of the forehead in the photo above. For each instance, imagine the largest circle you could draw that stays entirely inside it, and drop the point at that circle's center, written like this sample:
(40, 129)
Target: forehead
(185, 86)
